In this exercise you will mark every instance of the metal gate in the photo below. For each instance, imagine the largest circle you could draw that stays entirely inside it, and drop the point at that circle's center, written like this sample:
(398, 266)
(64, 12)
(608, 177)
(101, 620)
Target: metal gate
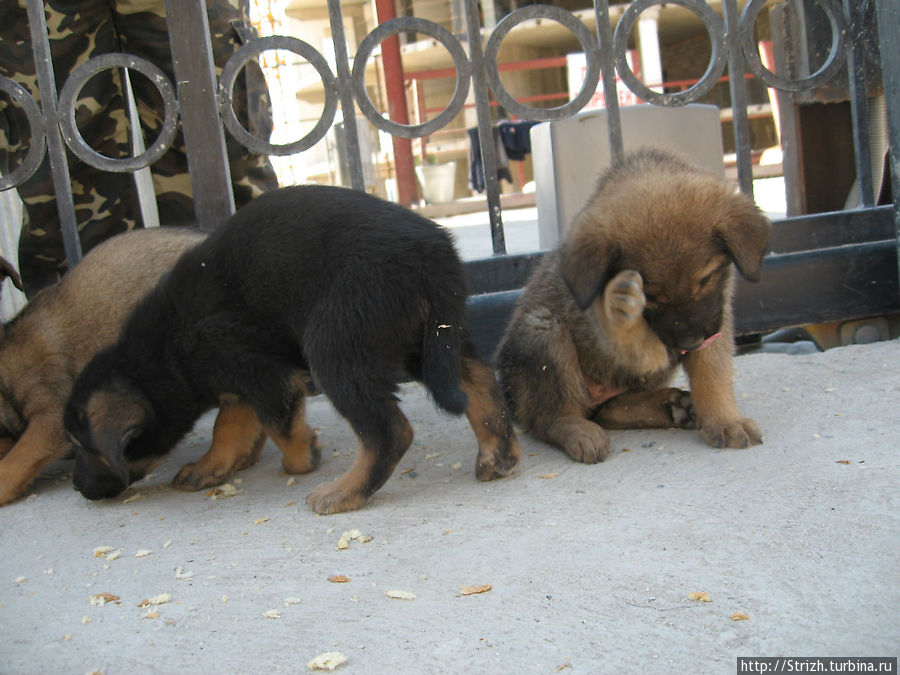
(825, 267)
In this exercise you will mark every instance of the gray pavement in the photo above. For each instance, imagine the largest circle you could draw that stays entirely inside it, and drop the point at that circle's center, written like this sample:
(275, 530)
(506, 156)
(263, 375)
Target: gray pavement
(590, 567)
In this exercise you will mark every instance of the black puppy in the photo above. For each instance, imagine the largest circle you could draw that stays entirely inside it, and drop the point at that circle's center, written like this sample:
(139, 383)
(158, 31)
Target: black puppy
(311, 280)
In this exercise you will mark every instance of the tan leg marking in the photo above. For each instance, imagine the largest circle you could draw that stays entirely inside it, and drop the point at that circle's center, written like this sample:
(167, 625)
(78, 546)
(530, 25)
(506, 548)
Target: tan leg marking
(300, 449)
(42, 443)
(710, 371)
(238, 440)
(498, 448)
(369, 471)
(662, 409)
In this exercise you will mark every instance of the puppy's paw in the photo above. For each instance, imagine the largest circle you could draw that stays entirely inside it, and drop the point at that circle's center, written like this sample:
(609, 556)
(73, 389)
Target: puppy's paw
(583, 440)
(330, 498)
(498, 459)
(623, 298)
(200, 475)
(740, 433)
(305, 461)
(681, 409)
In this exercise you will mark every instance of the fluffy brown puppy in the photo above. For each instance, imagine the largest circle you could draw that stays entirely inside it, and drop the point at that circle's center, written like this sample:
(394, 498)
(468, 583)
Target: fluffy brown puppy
(641, 285)
(46, 345)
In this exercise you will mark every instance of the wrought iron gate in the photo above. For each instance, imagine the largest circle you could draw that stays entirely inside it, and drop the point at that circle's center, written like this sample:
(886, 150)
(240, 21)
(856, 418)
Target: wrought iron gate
(824, 267)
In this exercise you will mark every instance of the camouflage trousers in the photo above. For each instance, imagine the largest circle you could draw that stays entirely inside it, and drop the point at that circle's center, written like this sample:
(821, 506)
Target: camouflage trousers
(106, 203)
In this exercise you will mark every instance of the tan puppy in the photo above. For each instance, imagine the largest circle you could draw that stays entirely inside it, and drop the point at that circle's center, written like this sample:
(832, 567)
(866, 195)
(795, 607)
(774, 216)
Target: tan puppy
(641, 285)
(43, 349)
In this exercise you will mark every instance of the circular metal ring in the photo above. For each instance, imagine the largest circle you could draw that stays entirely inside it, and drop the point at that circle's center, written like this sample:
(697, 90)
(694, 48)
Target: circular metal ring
(68, 97)
(585, 37)
(716, 59)
(226, 91)
(828, 70)
(35, 153)
(425, 27)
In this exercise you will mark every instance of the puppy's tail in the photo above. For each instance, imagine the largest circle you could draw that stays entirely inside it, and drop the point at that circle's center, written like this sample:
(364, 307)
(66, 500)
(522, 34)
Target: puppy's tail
(441, 349)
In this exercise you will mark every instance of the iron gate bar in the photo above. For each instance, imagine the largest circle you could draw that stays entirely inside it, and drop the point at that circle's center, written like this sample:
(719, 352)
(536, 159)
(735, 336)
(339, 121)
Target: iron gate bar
(485, 133)
(738, 88)
(859, 103)
(889, 34)
(608, 76)
(344, 84)
(203, 135)
(59, 166)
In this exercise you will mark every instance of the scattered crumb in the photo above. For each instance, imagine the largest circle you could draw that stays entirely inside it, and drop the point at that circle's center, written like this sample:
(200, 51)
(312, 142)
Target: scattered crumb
(20, 580)
(626, 449)
(133, 498)
(100, 599)
(699, 595)
(352, 535)
(160, 599)
(549, 475)
(842, 461)
(338, 579)
(739, 616)
(142, 553)
(101, 551)
(181, 575)
(272, 614)
(114, 555)
(473, 590)
(152, 614)
(167, 544)
(85, 620)
(291, 480)
(259, 521)
(327, 661)
(291, 601)
(565, 664)
(400, 595)
(456, 466)
(224, 490)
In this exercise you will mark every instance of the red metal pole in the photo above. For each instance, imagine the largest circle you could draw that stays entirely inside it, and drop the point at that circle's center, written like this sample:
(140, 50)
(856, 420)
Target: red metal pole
(407, 189)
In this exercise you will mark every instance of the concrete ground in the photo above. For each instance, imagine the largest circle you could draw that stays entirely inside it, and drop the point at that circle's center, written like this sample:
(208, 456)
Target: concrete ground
(591, 568)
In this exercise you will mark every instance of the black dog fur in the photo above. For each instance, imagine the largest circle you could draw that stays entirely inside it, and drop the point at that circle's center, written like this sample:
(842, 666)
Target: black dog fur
(310, 280)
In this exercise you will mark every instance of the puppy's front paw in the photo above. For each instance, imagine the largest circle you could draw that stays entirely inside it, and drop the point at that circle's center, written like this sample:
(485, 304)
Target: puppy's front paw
(740, 433)
(623, 298)
(583, 440)
(330, 498)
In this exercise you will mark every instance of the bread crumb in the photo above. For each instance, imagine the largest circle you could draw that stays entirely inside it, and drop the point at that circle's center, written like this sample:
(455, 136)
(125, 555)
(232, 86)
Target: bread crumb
(739, 616)
(400, 595)
(473, 590)
(338, 579)
(272, 614)
(160, 599)
(327, 661)
(100, 599)
(699, 595)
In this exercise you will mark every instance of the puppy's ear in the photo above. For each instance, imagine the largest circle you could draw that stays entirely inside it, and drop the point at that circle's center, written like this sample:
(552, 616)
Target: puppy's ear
(744, 235)
(586, 263)
(7, 270)
(106, 422)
